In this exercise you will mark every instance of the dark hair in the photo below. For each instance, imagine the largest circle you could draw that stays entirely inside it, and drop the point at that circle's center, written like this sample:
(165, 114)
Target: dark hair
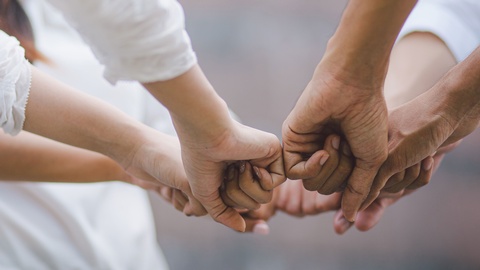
(14, 21)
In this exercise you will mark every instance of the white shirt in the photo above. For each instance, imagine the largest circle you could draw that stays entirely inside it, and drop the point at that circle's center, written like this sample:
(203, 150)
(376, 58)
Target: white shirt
(141, 40)
(456, 22)
(137, 40)
(15, 76)
(80, 226)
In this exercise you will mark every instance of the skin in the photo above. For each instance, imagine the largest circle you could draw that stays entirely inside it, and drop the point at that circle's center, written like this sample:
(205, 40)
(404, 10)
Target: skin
(434, 62)
(42, 157)
(86, 122)
(211, 141)
(345, 97)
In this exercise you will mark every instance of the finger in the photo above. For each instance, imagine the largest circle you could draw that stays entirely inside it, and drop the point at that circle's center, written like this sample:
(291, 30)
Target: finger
(340, 224)
(276, 175)
(257, 226)
(395, 179)
(283, 195)
(381, 178)
(341, 173)
(222, 213)
(332, 144)
(411, 174)
(249, 183)
(193, 207)
(325, 203)
(357, 189)
(369, 217)
(294, 203)
(308, 202)
(179, 200)
(309, 168)
(425, 174)
(233, 191)
(166, 193)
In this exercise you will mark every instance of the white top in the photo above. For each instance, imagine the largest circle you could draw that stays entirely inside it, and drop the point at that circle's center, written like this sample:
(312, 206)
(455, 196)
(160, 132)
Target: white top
(456, 22)
(80, 226)
(141, 40)
(15, 75)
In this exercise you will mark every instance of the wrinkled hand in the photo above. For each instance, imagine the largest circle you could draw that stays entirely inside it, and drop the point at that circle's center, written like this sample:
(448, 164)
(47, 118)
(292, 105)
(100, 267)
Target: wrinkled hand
(368, 218)
(329, 106)
(417, 130)
(206, 164)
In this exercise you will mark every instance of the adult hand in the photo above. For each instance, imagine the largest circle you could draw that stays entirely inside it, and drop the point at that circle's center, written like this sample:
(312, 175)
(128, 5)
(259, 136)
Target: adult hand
(368, 218)
(211, 140)
(206, 163)
(357, 112)
(417, 130)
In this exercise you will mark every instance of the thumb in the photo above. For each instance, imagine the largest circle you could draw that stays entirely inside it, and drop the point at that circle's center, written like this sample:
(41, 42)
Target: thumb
(223, 214)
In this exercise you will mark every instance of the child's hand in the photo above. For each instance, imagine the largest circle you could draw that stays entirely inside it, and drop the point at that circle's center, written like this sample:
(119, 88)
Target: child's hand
(295, 200)
(242, 187)
(329, 177)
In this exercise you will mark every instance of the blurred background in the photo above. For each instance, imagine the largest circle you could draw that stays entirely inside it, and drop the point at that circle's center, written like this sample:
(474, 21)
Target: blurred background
(260, 55)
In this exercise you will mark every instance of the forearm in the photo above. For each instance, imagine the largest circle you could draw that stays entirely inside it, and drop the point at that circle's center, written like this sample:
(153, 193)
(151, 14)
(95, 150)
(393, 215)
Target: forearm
(460, 90)
(193, 104)
(56, 111)
(28, 157)
(360, 48)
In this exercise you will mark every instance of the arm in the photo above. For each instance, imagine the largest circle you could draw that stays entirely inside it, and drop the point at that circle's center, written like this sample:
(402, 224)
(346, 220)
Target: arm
(345, 96)
(56, 111)
(50, 161)
(443, 115)
(211, 140)
(162, 59)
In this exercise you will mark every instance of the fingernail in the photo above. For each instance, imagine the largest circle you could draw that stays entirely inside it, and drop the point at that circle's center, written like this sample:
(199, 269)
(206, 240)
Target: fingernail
(257, 172)
(427, 164)
(242, 167)
(344, 225)
(346, 150)
(324, 159)
(261, 228)
(336, 143)
(230, 173)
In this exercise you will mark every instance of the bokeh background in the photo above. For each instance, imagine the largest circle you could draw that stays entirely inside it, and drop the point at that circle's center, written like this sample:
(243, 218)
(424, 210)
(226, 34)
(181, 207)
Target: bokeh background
(259, 55)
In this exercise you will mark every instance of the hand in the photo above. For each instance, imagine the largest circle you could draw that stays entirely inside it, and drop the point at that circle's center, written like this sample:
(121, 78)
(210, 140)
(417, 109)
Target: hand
(368, 218)
(417, 130)
(206, 164)
(294, 200)
(327, 106)
(242, 188)
(157, 165)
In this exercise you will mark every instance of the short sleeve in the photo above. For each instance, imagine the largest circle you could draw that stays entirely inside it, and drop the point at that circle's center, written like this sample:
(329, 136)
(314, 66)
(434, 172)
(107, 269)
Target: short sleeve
(456, 22)
(15, 78)
(141, 40)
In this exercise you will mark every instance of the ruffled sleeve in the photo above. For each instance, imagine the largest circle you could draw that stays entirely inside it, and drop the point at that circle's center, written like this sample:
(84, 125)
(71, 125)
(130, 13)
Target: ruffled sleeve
(15, 78)
(141, 40)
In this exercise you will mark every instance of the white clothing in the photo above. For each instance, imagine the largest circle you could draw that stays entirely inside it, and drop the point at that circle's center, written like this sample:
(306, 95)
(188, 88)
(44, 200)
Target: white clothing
(456, 22)
(137, 40)
(80, 226)
(15, 79)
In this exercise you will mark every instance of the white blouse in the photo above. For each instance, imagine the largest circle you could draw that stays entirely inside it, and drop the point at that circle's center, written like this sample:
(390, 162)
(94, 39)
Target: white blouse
(140, 40)
(80, 226)
(15, 75)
